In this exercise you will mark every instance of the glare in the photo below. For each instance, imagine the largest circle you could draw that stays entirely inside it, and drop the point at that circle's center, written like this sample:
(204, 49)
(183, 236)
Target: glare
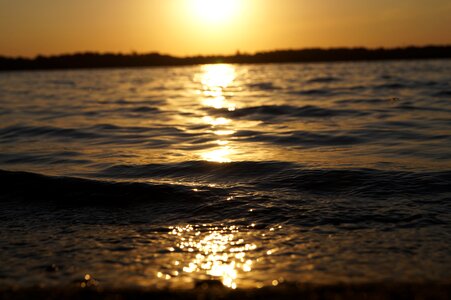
(215, 76)
(218, 253)
(214, 10)
(216, 121)
(222, 143)
(221, 155)
(218, 103)
(214, 79)
(224, 132)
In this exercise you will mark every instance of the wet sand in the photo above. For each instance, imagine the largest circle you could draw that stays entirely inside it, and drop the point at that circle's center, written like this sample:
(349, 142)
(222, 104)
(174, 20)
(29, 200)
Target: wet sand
(213, 291)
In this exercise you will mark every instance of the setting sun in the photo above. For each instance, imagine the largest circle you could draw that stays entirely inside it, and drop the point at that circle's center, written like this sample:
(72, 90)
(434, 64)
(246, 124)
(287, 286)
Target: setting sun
(213, 11)
(225, 149)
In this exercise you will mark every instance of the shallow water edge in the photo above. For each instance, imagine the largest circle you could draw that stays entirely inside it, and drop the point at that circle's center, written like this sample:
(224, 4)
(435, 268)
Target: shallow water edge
(288, 291)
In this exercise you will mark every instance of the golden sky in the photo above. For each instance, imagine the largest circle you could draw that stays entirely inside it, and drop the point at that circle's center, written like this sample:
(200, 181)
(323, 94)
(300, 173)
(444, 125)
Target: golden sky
(190, 27)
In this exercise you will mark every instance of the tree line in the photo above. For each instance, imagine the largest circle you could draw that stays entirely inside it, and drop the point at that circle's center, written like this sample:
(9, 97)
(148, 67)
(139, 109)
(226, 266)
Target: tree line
(88, 60)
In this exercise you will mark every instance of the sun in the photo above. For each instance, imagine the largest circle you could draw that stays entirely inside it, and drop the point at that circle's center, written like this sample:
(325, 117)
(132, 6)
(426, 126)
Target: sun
(215, 11)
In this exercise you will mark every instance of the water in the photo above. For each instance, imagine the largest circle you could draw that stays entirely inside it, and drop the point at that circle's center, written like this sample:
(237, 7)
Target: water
(249, 175)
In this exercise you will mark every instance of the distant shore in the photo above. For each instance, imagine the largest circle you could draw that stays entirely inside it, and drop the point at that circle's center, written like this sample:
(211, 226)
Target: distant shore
(93, 60)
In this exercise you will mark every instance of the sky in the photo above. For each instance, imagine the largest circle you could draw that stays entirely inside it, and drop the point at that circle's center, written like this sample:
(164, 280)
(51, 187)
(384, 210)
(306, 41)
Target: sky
(193, 27)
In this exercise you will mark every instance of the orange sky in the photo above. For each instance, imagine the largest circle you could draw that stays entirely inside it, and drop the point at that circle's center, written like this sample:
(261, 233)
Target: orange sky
(185, 27)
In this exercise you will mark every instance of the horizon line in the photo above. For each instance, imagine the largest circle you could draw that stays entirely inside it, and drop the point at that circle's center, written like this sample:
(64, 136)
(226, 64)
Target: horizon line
(238, 51)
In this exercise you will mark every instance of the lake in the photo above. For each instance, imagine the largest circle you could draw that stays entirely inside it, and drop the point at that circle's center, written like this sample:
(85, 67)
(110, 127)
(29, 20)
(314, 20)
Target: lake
(247, 175)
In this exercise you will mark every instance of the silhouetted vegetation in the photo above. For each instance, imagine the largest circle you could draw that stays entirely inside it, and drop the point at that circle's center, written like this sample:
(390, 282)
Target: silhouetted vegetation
(113, 60)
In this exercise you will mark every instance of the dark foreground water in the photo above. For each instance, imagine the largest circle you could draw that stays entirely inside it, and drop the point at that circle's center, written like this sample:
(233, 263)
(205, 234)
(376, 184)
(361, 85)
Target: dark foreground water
(251, 176)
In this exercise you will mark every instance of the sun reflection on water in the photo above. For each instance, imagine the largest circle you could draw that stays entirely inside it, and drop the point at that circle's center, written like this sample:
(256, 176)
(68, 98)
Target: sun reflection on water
(216, 121)
(218, 252)
(214, 79)
(221, 155)
(218, 76)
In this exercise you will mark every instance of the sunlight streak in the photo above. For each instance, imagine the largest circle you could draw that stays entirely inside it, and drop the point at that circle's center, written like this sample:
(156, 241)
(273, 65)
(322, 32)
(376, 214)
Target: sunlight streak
(218, 76)
(221, 155)
(214, 79)
(216, 121)
(219, 254)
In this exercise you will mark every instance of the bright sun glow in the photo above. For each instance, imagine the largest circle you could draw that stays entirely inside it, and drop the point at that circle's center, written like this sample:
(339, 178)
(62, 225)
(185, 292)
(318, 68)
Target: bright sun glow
(215, 10)
(214, 79)
(217, 76)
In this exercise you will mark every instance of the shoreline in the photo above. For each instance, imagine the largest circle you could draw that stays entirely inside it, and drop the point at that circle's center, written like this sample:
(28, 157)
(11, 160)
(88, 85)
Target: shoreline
(285, 291)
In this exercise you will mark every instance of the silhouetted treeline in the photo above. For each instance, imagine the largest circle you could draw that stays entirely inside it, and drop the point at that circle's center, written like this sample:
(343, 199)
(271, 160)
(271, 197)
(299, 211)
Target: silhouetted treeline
(112, 60)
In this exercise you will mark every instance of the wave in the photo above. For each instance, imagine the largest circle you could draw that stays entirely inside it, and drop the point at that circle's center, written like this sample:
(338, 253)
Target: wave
(332, 138)
(361, 198)
(13, 132)
(143, 109)
(362, 101)
(264, 86)
(62, 157)
(285, 175)
(69, 83)
(314, 92)
(391, 86)
(127, 102)
(325, 79)
(199, 170)
(79, 191)
(302, 138)
(368, 182)
(263, 176)
(265, 112)
(444, 93)
(154, 137)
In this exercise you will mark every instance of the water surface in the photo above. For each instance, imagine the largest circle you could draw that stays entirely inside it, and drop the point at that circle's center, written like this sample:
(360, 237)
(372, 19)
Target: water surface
(251, 175)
